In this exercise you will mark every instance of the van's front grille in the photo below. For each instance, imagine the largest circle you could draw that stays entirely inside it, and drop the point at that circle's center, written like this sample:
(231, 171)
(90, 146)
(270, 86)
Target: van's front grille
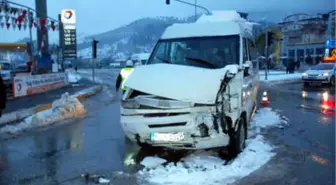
(164, 114)
(167, 125)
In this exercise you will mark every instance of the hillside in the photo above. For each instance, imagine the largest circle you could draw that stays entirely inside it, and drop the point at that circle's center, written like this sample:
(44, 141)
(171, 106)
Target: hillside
(138, 36)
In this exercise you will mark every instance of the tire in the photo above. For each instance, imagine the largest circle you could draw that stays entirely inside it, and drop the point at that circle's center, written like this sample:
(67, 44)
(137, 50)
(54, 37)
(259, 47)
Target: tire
(237, 141)
(332, 81)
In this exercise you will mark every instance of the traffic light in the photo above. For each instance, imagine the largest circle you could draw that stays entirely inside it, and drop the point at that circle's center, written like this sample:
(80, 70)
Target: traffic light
(270, 38)
(94, 48)
(167, 1)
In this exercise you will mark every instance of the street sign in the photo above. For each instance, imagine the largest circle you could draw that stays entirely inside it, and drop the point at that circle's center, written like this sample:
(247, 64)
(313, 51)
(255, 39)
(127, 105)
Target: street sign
(69, 43)
(330, 43)
(68, 16)
(68, 34)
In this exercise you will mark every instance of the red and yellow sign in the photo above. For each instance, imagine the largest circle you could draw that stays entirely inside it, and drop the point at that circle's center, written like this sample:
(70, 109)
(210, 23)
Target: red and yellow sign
(33, 84)
(331, 57)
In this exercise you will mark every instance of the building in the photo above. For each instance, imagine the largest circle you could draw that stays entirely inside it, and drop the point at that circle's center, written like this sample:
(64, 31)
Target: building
(305, 35)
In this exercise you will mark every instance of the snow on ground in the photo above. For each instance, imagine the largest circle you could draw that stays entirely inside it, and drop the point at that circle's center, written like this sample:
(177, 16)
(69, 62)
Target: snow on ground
(152, 162)
(204, 168)
(73, 76)
(267, 117)
(88, 75)
(271, 72)
(64, 108)
(281, 77)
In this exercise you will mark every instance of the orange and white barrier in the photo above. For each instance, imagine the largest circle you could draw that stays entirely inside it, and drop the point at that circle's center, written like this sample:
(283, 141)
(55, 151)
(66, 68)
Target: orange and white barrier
(264, 100)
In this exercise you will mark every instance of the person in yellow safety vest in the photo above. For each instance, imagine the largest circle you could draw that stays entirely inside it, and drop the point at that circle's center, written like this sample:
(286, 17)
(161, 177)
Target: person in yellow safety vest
(124, 73)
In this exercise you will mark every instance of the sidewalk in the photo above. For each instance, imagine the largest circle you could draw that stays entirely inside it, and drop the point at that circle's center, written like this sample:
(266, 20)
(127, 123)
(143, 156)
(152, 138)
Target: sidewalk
(280, 72)
(280, 77)
(44, 98)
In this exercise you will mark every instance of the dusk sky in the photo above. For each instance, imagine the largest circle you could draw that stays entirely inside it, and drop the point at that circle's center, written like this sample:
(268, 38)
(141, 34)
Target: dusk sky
(96, 16)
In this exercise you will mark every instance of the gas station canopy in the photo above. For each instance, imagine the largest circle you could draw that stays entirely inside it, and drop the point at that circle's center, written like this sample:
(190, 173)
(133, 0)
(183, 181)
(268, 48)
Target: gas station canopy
(13, 47)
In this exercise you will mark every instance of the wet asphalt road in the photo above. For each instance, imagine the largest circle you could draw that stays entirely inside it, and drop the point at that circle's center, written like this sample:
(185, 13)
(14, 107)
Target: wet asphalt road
(63, 151)
(95, 144)
(306, 148)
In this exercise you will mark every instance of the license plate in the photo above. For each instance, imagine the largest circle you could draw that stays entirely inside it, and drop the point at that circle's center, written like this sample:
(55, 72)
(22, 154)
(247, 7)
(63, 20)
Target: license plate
(311, 77)
(167, 136)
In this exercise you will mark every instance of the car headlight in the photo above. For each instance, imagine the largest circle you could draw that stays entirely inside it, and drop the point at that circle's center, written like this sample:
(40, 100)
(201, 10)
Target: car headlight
(304, 74)
(325, 96)
(325, 74)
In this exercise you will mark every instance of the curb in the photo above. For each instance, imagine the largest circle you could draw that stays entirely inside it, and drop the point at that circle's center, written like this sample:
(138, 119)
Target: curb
(22, 114)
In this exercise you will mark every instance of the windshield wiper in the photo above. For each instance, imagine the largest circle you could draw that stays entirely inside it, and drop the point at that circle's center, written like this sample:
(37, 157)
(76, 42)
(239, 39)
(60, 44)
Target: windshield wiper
(212, 66)
(164, 60)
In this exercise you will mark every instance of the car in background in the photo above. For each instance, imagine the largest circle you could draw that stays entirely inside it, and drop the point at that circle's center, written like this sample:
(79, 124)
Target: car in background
(140, 58)
(322, 73)
(6, 73)
(21, 69)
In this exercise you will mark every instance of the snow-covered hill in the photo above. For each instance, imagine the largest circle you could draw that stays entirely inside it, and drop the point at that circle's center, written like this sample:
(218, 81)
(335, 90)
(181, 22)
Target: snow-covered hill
(138, 36)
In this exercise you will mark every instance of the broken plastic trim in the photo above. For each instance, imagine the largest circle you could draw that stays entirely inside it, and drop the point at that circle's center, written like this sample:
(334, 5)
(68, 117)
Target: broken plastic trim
(220, 114)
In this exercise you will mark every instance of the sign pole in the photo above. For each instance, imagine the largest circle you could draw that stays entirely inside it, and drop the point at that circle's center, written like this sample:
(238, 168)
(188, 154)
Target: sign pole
(93, 70)
(266, 54)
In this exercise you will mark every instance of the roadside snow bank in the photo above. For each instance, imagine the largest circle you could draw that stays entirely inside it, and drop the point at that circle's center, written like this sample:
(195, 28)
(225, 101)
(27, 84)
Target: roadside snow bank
(74, 77)
(87, 75)
(64, 108)
(204, 168)
(281, 77)
(267, 117)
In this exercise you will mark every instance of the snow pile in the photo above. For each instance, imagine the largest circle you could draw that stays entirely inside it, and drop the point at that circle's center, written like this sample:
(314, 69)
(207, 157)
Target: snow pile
(231, 15)
(152, 162)
(89, 91)
(73, 77)
(281, 77)
(64, 108)
(206, 168)
(216, 16)
(232, 69)
(266, 117)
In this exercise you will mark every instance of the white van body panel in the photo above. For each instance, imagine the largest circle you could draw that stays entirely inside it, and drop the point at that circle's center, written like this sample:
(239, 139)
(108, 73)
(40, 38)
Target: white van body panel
(184, 83)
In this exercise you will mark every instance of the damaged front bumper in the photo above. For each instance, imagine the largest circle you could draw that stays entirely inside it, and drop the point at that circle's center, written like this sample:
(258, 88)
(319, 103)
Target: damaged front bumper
(147, 115)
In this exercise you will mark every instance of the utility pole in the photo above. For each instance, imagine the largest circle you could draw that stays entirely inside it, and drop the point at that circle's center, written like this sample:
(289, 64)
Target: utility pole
(61, 41)
(42, 34)
(30, 27)
(266, 54)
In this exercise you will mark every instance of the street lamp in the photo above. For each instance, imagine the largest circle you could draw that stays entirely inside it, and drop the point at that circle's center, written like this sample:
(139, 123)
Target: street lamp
(191, 4)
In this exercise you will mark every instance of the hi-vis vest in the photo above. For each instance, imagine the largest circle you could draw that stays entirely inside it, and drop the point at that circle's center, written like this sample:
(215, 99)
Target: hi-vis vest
(125, 72)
